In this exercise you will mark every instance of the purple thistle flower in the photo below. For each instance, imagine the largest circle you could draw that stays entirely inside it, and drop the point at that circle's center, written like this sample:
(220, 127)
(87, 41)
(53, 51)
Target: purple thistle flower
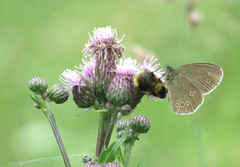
(104, 38)
(83, 90)
(106, 48)
(121, 90)
(71, 78)
(112, 164)
(88, 69)
(92, 164)
(84, 96)
(151, 66)
(127, 66)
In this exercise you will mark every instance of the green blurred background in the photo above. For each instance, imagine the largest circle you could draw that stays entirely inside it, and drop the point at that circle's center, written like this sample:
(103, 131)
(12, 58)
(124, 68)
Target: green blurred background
(43, 38)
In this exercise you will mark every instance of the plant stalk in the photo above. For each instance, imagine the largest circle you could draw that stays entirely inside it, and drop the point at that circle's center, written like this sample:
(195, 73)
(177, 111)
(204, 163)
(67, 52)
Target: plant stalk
(127, 149)
(104, 118)
(57, 135)
(111, 124)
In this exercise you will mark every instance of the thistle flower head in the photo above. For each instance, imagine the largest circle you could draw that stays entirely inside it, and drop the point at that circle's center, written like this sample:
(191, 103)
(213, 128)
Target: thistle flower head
(103, 39)
(83, 90)
(127, 66)
(92, 164)
(121, 90)
(112, 164)
(84, 96)
(106, 48)
(88, 68)
(151, 66)
(103, 34)
(71, 78)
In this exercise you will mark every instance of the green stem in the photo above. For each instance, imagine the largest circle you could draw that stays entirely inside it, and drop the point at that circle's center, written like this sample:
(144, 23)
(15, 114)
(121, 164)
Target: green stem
(57, 135)
(127, 149)
(104, 118)
(111, 124)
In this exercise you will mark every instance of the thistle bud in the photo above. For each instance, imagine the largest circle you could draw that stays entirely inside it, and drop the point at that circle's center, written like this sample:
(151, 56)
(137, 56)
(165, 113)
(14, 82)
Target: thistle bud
(92, 164)
(122, 125)
(83, 96)
(140, 124)
(38, 85)
(58, 94)
(112, 164)
(131, 135)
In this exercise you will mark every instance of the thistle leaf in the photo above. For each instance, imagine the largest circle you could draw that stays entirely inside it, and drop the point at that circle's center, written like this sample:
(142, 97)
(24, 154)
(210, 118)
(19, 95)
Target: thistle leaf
(110, 154)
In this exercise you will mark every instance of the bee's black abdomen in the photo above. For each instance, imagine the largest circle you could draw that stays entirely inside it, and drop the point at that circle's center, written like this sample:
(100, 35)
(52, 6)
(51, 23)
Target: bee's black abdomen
(160, 91)
(163, 92)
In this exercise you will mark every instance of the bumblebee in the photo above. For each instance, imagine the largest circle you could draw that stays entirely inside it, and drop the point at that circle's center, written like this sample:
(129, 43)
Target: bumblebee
(148, 82)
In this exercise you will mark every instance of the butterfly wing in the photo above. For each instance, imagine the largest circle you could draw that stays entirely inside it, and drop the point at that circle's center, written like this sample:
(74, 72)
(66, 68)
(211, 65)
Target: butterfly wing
(184, 97)
(205, 76)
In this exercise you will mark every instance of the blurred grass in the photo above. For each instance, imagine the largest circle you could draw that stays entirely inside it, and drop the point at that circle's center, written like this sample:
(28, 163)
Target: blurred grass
(42, 38)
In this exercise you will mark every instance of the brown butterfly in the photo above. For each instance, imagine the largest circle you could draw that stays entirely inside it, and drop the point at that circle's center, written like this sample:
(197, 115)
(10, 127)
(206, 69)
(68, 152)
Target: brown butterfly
(188, 83)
